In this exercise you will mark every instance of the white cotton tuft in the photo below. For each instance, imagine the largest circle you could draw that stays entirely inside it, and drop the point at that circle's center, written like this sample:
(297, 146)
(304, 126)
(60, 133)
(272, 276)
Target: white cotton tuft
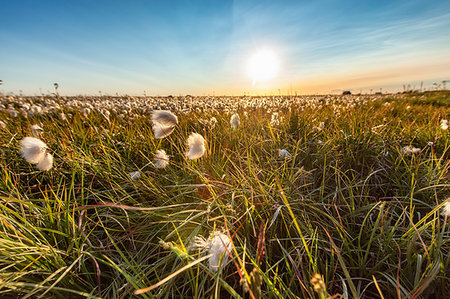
(212, 122)
(35, 129)
(33, 149)
(161, 131)
(161, 159)
(446, 208)
(275, 121)
(235, 121)
(284, 154)
(408, 150)
(164, 123)
(444, 124)
(164, 118)
(46, 163)
(196, 146)
(220, 245)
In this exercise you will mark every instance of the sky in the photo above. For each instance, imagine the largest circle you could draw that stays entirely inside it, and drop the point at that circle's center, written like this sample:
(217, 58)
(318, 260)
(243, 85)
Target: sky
(204, 47)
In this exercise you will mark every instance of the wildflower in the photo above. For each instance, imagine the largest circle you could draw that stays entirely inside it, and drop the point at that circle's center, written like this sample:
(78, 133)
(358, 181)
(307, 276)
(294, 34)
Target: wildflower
(35, 152)
(164, 123)
(430, 143)
(196, 146)
(446, 208)
(444, 124)
(234, 121)
(134, 175)
(408, 150)
(282, 153)
(161, 159)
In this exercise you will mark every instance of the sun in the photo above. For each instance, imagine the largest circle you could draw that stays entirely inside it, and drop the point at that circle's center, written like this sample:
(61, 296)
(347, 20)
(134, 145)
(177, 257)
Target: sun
(263, 66)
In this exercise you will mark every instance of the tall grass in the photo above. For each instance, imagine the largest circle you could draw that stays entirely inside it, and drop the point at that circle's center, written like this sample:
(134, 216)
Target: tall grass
(348, 205)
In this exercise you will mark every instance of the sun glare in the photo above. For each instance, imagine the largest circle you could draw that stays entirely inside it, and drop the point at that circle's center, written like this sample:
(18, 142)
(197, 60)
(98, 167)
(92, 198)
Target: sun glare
(263, 66)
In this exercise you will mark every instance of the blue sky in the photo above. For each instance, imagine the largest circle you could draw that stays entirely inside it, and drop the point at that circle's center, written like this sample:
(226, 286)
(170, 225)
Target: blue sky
(201, 47)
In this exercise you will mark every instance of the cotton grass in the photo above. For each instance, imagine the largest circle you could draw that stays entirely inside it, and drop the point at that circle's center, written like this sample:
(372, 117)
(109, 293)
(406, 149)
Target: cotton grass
(234, 121)
(218, 245)
(196, 146)
(164, 123)
(35, 152)
(161, 159)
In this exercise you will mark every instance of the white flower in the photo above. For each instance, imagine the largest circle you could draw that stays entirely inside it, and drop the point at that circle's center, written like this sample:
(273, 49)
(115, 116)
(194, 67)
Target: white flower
(196, 146)
(408, 150)
(161, 159)
(446, 209)
(234, 121)
(284, 154)
(220, 249)
(164, 123)
(33, 149)
(444, 124)
(46, 163)
(430, 143)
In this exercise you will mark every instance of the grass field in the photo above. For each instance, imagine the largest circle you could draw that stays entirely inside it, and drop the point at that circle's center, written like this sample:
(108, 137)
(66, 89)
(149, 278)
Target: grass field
(350, 203)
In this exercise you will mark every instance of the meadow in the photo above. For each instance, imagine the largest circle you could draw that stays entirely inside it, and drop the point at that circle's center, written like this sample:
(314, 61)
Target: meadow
(314, 197)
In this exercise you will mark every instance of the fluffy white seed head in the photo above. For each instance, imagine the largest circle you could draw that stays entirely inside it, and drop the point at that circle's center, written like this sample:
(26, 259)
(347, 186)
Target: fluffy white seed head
(444, 124)
(161, 131)
(46, 163)
(161, 159)
(275, 121)
(35, 129)
(220, 245)
(446, 208)
(196, 146)
(212, 122)
(164, 118)
(33, 149)
(235, 121)
(409, 150)
(284, 154)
